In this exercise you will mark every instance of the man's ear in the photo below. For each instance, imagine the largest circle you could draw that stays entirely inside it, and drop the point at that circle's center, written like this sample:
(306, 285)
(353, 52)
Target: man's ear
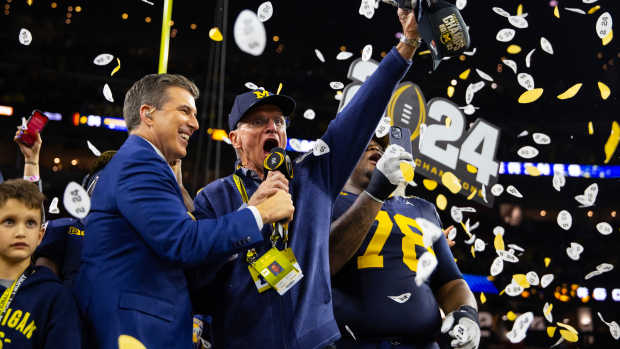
(146, 114)
(235, 139)
(41, 234)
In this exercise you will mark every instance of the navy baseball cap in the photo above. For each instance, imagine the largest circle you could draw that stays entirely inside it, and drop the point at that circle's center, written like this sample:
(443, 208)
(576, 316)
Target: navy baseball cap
(245, 101)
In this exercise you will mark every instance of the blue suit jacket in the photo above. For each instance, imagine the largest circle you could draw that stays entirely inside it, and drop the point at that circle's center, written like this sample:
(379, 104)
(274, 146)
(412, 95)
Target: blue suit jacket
(140, 237)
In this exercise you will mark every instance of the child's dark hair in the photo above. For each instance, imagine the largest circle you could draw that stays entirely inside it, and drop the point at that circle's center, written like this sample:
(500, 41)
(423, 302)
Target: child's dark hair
(23, 191)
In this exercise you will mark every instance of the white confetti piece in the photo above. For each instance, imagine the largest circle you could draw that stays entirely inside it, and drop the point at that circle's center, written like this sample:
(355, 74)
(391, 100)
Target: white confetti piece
(367, 8)
(523, 134)
(344, 55)
(103, 59)
(336, 85)
(497, 189)
(603, 25)
(532, 278)
(558, 180)
(472, 89)
(604, 267)
(430, 232)
(25, 37)
(93, 149)
(350, 332)
(514, 289)
(383, 127)
(249, 33)
(518, 22)
(557, 343)
(500, 11)
(589, 1)
(588, 197)
(541, 138)
(604, 228)
(546, 279)
(460, 4)
(366, 52)
(456, 214)
(505, 35)
(576, 10)
(526, 81)
(466, 53)
(426, 265)
(319, 55)
(251, 86)
(479, 245)
(592, 274)
(107, 93)
(76, 200)
(497, 266)
(401, 298)
(320, 148)
(265, 11)
(515, 247)
(484, 75)
(511, 64)
(519, 328)
(148, 2)
(469, 109)
(546, 45)
(499, 230)
(565, 220)
(527, 152)
(513, 191)
(54, 206)
(574, 251)
(547, 312)
(452, 234)
(507, 256)
(24, 125)
(471, 239)
(309, 114)
(528, 58)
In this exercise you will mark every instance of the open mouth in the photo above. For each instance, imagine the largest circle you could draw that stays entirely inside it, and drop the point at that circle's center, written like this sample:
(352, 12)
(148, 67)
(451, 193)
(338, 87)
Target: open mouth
(375, 157)
(270, 144)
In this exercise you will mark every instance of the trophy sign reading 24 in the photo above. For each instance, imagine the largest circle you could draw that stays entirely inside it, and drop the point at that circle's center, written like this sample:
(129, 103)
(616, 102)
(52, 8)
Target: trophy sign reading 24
(440, 141)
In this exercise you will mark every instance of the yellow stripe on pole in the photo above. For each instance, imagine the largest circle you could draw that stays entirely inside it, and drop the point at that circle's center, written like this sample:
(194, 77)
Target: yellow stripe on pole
(165, 37)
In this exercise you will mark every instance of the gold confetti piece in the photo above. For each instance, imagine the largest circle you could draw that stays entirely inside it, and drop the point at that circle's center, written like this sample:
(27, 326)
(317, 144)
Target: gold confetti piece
(521, 280)
(605, 91)
(117, 68)
(129, 342)
(607, 39)
(513, 49)
(429, 184)
(483, 298)
(407, 170)
(448, 120)
(551, 331)
(556, 12)
(569, 336)
(441, 202)
(473, 251)
(464, 75)
(548, 311)
(594, 9)
(590, 128)
(471, 168)
(498, 242)
(612, 141)
(519, 10)
(425, 52)
(568, 327)
(473, 193)
(450, 91)
(530, 96)
(511, 316)
(502, 292)
(215, 34)
(279, 89)
(450, 181)
(571, 92)
(532, 171)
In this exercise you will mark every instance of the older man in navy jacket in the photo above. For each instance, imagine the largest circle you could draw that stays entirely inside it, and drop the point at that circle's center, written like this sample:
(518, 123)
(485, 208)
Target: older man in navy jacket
(140, 235)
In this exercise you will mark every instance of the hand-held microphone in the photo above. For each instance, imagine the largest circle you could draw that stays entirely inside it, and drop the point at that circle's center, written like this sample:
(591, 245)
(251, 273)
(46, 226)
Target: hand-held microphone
(277, 160)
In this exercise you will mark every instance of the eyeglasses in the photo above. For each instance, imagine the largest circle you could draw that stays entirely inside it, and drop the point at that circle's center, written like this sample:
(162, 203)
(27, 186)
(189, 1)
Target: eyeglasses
(258, 122)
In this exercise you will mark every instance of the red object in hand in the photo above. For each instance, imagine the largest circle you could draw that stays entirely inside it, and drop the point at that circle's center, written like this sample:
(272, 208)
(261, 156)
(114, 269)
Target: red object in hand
(36, 123)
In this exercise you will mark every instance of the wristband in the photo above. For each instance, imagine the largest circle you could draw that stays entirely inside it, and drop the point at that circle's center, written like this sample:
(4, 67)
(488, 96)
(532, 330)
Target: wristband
(31, 163)
(379, 187)
(33, 178)
(415, 43)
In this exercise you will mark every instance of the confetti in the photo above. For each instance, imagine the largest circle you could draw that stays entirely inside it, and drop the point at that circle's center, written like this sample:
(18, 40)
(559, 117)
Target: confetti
(589, 1)
(25, 37)
(612, 141)
(511, 64)
(532, 278)
(604, 228)
(148, 2)
(265, 11)
(93, 149)
(471, 240)
(505, 35)
(551, 331)
(450, 181)
(54, 206)
(215, 34)
(546, 45)
(541, 138)
(429, 184)
(484, 75)
(103, 59)
(520, 327)
(499, 230)
(464, 75)
(594, 9)
(605, 91)
(483, 298)
(479, 245)
(452, 234)
(614, 329)
(497, 266)
(513, 191)
(589, 195)
(426, 265)
(565, 220)
(510, 315)
(592, 274)
(514, 290)
(344, 55)
(383, 127)
(251, 86)
(350, 332)
(518, 22)
(556, 12)
(527, 152)
(520, 280)
(532, 171)
(528, 58)
(471, 168)
(547, 261)
(569, 336)
(604, 267)
(590, 128)
(460, 4)
(367, 8)
(576, 10)
(516, 247)
(117, 68)
(547, 311)
(606, 40)
(430, 232)
(571, 92)
(472, 89)
(508, 257)
(320, 148)
(401, 298)
(407, 171)
(107, 93)
(279, 89)
(469, 110)
(501, 12)
(574, 251)
(526, 81)
(497, 189)
(545, 280)
(76, 200)
(366, 52)
(450, 93)
(513, 49)
(249, 33)
(530, 96)
(455, 212)
(557, 343)
(603, 25)
(336, 85)
(558, 180)
(309, 114)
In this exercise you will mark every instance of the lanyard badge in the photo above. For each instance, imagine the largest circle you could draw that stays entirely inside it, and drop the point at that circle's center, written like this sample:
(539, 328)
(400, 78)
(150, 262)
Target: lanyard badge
(277, 270)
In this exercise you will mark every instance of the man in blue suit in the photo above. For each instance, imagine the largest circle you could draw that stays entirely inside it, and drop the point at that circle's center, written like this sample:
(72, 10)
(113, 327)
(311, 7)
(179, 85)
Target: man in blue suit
(140, 235)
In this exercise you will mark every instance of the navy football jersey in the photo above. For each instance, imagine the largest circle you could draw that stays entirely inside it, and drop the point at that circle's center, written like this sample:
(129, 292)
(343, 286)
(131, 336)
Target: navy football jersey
(62, 243)
(375, 294)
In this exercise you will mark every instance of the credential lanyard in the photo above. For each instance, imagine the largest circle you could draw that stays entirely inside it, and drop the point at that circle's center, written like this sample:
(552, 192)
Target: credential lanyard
(9, 294)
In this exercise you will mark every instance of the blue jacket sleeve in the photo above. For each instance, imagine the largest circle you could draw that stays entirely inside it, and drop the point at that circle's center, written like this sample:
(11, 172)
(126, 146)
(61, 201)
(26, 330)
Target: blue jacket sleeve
(149, 199)
(349, 133)
(63, 329)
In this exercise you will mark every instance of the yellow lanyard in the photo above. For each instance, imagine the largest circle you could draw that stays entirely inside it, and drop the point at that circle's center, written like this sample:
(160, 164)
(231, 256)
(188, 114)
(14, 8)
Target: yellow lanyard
(9, 294)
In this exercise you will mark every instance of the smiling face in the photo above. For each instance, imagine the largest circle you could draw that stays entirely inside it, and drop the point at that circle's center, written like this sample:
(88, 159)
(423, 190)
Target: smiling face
(360, 178)
(20, 232)
(260, 130)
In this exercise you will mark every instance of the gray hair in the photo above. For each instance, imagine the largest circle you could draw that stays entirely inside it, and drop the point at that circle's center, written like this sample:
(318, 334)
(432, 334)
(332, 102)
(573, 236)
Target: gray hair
(151, 90)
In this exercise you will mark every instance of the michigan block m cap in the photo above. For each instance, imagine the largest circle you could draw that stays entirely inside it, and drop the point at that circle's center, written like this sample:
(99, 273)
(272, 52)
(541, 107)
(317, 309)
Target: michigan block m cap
(248, 100)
